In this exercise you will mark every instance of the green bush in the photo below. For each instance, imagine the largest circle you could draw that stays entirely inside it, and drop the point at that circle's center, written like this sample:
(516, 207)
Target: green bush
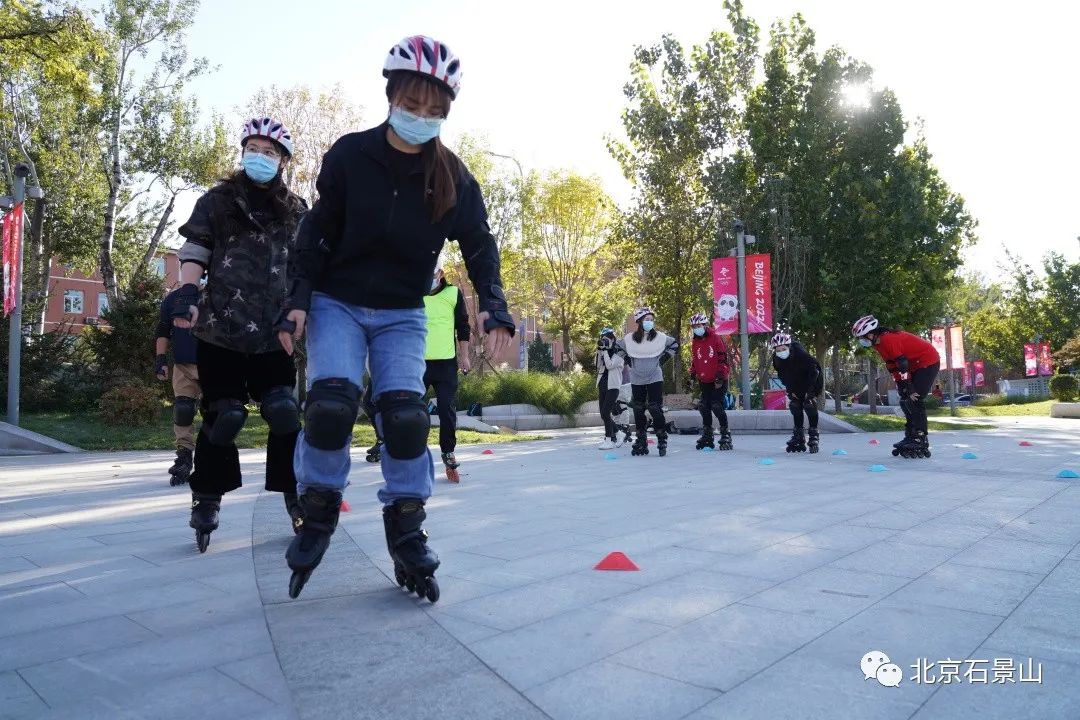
(131, 405)
(540, 357)
(555, 393)
(56, 371)
(125, 349)
(1063, 388)
(998, 400)
(932, 402)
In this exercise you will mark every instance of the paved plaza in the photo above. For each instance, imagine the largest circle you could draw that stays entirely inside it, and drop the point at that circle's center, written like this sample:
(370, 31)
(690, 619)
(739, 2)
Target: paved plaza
(760, 590)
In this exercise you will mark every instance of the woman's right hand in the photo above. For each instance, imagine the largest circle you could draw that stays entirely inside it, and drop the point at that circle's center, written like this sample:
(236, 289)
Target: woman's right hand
(299, 319)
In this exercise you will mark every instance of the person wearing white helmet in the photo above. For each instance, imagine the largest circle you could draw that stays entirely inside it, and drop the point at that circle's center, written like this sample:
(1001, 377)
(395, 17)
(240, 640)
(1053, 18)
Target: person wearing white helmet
(238, 237)
(804, 382)
(709, 366)
(609, 367)
(389, 198)
(914, 364)
(645, 351)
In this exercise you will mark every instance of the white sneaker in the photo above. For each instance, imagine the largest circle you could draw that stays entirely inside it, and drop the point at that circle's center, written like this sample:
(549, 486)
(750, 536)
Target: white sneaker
(607, 444)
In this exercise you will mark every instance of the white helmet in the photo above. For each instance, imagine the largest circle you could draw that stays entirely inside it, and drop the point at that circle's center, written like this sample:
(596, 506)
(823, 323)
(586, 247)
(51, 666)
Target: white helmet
(780, 339)
(864, 325)
(642, 312)
(426, 56)
(268, 128)
(699, 319)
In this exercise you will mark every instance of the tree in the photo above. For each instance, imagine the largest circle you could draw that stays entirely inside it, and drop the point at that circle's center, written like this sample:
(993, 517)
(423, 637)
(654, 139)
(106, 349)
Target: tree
(139, 124)
(315, 120)
(1068, 357)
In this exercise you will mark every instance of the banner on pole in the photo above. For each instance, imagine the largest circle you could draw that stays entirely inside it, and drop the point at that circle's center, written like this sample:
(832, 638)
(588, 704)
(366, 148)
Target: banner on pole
(1046, 364)
(968, 376)
(13, 225)
(758, 281)
(1031, 360)
(980, 373)
(937, 338)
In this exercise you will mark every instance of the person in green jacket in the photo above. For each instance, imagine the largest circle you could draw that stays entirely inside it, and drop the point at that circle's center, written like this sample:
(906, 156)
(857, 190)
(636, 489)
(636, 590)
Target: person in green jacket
(447, 351)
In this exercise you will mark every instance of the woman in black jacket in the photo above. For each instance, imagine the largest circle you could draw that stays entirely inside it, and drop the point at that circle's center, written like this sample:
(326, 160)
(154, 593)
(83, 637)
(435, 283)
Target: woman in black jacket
(389, 197)
(239, 236)
(801, 375)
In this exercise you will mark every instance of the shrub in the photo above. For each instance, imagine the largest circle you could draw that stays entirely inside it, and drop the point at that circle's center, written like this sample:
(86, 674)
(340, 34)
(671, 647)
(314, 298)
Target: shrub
(540, 357)
(1063, 388)
(131, 405)
(932, 402)
(56, 371)
(125, 349)
(997, 400)
(555, 393)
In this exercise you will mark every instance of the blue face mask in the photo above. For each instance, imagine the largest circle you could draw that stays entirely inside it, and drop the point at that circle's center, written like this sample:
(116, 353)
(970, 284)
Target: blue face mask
(414, 129)
(699, 331)
(864, 342)
(259, 168)
(647, 325)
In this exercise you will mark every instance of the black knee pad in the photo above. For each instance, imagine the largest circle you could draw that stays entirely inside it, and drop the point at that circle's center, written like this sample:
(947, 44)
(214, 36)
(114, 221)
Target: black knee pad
(330, 412)
(280, 411)
(231, 416)
(795, 403)
(183, 412)
(405, 423)
(655, 408)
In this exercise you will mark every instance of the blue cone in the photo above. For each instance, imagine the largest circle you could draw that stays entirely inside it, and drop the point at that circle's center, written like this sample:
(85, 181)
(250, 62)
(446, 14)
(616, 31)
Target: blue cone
(839, 452)
(970, 456)
(878, 468)
(707, 449)
(611, 456)
(767, 461)
(1070, 474)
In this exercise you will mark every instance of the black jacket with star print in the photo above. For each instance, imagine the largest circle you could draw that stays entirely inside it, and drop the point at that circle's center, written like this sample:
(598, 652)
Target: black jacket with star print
(242, 235)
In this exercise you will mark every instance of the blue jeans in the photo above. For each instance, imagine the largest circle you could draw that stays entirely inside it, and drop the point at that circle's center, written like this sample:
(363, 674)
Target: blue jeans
(340, 338)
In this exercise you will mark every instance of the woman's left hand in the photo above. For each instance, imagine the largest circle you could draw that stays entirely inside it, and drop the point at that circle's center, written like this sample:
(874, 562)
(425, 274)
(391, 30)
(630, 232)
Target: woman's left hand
(496, 341)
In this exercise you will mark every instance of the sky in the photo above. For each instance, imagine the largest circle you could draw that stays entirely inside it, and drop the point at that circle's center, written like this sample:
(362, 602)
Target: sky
(993, 84)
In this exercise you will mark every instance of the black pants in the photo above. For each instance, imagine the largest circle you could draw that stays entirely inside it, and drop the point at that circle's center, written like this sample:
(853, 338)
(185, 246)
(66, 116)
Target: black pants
(649, 397)
(607, 399)
(442, 376)
(914, 410)
(227, 374)
(798, 404)
(713, 396)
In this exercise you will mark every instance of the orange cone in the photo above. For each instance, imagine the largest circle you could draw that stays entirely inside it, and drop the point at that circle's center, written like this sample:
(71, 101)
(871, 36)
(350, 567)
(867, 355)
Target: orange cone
(616, 561)
(345, 506)
(488, 452)
(1025, 443)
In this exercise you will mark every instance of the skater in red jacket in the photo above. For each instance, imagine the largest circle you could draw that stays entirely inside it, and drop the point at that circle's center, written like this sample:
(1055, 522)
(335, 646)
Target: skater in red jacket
(709, 367)
(914, 365)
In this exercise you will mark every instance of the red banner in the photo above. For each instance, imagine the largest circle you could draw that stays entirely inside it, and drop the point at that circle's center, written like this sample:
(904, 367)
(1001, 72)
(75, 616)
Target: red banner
(13, 224)
(937, 338)
(967, 375)
(758, 279)
(1031, 361)
(980, 373)
(1046, 364)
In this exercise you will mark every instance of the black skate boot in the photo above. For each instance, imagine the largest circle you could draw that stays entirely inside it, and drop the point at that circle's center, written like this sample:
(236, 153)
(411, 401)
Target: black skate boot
(414, 562)
(812, 441)
(296, 513)
(797, 443)
(321, 510)
(451, 464)
(917, 446)
(706, 439)
(725, 440)
(661, 443)
(907, 438)
(640, 446)
(374, 453)
(181, 467)
(204, 517)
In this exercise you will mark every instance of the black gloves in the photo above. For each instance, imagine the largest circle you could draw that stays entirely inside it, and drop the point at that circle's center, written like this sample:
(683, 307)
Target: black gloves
(160, 363)
(185, 297)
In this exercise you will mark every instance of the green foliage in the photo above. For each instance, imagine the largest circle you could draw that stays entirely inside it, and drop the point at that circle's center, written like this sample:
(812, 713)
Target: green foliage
(1063, 387)
(56, 370)
(892, 423)
(540, 356)
(124, 351)
(1068, 357)
(557, 394)
(131, 405)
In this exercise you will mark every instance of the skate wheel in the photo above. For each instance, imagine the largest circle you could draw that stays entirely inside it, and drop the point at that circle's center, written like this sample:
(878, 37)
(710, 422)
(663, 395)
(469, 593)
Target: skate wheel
(297, 581)
(410, 585)
(452, 475)
(202, 539)
(926, 453)
(432, 590)
(399, 575)
(895, 453)
(421, 587)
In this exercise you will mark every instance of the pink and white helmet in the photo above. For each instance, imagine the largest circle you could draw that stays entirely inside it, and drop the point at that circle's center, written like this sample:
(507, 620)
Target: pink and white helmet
(268, 128)
(426, 56)
(780, 339)
(864, 325)
(699, 319)
(642, 312)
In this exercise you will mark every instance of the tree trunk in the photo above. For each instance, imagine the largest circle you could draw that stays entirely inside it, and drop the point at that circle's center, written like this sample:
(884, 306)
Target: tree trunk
(836, 377)
(105, 262)
(871, 385)
(41, 260)
(155, 240)
(820, 348)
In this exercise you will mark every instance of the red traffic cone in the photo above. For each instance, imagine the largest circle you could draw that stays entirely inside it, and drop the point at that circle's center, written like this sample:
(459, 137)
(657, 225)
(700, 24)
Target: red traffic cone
(489, 451)
(345, 506)
(1025, 443)
(616, 561)
(875, 442)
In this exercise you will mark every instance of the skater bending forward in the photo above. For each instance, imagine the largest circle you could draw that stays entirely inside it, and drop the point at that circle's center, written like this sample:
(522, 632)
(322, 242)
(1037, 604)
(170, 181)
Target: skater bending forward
(804, 381)
(389, 197)
(913, 363)
(709, 367)
(645, 352)
(239, 235)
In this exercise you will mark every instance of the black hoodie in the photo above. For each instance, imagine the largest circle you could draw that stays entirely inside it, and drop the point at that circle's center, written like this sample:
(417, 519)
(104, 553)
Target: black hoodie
(800, 373)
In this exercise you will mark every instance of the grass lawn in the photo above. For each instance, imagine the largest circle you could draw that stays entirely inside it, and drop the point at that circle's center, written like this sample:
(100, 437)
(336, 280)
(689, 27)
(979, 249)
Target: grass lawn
(893, 423)
(87, 431)
(1034, 408)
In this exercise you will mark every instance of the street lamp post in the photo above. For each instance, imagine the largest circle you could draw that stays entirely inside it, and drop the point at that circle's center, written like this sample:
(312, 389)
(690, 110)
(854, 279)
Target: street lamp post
(744, 335)
(521, 218)
(22, 171)
(949, 367)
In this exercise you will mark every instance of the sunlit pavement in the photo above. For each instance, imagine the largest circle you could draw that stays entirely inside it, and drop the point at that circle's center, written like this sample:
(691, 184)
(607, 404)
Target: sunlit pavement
(760, 590)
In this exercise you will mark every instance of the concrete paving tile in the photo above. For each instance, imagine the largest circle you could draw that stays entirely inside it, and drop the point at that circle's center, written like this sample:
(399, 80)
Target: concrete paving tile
(42, 646)
(828, 592)
(963, 587)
